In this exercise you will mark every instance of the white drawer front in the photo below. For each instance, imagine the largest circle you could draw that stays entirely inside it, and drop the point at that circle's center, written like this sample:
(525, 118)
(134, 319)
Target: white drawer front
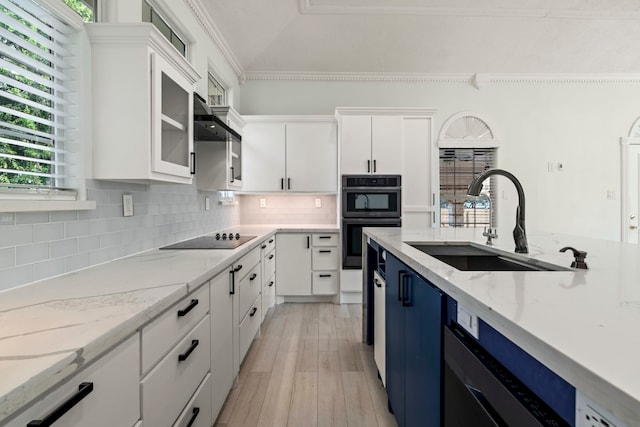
(114, 400)
(249, 288)
(268, 295)
(163, 333)
(197, 413)
(169, 386)
(325, 282)
(324, 259)
(250, 326)
(247, 262)
(269, 263)
(268, 245)
(327, 239)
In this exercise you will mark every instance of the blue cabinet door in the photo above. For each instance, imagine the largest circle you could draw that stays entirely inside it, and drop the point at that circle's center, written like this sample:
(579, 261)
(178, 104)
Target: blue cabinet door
(414, 313)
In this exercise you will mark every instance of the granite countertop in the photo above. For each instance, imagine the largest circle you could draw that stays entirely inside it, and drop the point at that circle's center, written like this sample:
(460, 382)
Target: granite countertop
(52, 328)
(579, 323)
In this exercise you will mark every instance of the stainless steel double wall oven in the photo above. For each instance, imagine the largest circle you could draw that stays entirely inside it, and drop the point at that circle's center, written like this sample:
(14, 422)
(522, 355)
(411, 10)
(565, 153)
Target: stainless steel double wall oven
(367, 201)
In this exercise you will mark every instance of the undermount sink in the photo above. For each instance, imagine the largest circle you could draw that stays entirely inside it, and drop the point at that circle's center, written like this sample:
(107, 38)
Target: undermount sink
(468, 257)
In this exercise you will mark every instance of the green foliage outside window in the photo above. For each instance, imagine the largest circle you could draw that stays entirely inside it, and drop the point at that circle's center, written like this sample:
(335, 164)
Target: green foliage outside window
(82, 9)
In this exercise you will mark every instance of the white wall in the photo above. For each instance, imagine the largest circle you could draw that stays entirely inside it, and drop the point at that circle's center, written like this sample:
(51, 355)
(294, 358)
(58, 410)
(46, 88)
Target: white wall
(577, 124)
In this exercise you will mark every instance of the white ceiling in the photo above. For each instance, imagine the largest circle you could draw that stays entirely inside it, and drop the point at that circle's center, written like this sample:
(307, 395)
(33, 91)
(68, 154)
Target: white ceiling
(389, 37)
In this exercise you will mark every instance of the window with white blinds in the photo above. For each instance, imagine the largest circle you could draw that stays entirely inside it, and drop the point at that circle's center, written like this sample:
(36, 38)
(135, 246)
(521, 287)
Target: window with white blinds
(34, 95)
(458, 167)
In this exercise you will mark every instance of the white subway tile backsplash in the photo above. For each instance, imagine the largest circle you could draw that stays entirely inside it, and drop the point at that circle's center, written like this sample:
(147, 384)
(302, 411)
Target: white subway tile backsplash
(63, 248)
(31, 217)
(48, 232)
(42, 270)
(63, 216)
(13, 277)
(88, 243)
(76, 228)
(7, 258)
(29, 254)
(7, 219)
(76, 262)
(17, 235)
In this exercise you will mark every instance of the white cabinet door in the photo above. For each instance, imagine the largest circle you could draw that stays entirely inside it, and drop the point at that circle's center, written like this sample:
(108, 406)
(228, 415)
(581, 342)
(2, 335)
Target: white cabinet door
(293, 264)
(312, 157)
(355, 145)
(263, 146)
(222, 345)
(379, 325)
(386, 145)
(417, 195)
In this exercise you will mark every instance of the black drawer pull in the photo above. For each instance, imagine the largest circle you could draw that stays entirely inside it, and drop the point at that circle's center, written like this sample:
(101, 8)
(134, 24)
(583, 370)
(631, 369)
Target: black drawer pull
(271, 283)
(83, 391)
(238, 268)
(253, 276)
(325, 275)
(182, 357)
(271, 256)
(325, 251)
(188, 308)
(253, 311)
(196, 411)
(270, 240)
(263, 247)
(324, 237)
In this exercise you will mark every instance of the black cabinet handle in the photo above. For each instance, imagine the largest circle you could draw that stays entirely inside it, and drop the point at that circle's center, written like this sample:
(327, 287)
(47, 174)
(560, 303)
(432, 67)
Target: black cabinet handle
(233, 178)
(253, 311)
(308, 242)
(263, 247)
(271, 256)
(325, 275)
(324, 237)
(288, 183)
(193, 163)
(187, 309)
(253, 276)
(270, 240)
(377, 283)
(324, 251)
(374, 166)
(83, 391)
(271, 283)
(232, 283)
(282, 183)
(238, 268)
(368, 166)
(194, 415)
(401, 276)
(182, 357)
(406, 301)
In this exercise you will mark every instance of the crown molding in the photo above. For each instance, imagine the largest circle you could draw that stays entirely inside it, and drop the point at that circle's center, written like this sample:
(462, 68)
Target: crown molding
(477, 80)
(387, 111)
(204, 19)
(305, 7)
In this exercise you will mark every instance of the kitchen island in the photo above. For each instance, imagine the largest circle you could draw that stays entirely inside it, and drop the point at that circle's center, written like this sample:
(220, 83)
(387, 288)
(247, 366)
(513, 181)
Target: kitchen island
(578, 323)
(53, 329)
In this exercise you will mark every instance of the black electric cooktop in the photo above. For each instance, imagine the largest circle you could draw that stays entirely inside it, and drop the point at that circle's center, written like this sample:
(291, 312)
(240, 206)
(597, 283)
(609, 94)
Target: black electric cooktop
(212, 242)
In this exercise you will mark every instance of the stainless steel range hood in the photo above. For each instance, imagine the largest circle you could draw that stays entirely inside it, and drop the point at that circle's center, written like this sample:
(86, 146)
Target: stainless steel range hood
(207, 126)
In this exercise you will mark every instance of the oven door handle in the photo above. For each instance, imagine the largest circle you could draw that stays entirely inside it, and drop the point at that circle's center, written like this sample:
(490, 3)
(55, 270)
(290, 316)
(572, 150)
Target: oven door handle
(483, 403)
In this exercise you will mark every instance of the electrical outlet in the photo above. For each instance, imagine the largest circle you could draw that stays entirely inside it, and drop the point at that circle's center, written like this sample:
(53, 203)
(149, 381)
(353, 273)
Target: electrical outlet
(590, 414)
(263, 203)
(207, 203)
(127, 205)
(560, 166)
(551, 167)
(318, 203)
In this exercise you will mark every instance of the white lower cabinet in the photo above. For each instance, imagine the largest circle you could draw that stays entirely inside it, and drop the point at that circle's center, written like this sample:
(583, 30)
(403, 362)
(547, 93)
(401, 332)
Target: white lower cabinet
(197, 413)
(250, 326)
(110, 390)
(168, 387)
(379, 319)
(268, 275)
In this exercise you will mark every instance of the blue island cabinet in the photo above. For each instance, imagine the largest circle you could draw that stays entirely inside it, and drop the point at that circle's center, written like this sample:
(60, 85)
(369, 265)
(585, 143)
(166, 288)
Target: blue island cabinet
(415, 312)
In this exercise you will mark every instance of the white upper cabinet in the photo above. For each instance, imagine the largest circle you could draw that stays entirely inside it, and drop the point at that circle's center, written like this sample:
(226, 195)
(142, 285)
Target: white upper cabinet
(290, 153)
(370, 144)
(142, 100)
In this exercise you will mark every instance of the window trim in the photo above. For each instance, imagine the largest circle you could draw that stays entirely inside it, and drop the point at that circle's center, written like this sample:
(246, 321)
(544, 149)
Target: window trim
(213, 75)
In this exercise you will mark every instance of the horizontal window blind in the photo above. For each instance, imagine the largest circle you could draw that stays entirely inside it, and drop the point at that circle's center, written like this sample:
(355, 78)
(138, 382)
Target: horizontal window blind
(458, 167)
(33, 96)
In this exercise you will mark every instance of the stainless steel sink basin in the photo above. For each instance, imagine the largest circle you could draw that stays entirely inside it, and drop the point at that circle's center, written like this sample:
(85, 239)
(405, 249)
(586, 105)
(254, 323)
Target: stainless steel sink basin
(467, 257)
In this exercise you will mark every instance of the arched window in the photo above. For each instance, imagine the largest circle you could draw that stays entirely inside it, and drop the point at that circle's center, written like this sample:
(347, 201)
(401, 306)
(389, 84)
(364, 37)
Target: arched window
(467, 147)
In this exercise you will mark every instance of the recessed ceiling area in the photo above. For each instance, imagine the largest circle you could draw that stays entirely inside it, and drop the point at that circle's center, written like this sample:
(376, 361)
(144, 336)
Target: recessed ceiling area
(431, 36)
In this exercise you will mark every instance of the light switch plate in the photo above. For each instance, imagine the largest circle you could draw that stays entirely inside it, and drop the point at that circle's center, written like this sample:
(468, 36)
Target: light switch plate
(127, 204)
(207, 203)
(263, 203)
(318, 202)
(468, 320)
(591, 414)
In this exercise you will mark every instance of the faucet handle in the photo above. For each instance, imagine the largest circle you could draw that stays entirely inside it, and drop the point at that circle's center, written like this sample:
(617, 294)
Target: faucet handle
(579, 257)
(490, 234)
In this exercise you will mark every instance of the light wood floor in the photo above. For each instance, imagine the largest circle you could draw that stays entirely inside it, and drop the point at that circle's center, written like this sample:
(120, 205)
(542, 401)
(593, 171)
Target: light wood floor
(308, 368)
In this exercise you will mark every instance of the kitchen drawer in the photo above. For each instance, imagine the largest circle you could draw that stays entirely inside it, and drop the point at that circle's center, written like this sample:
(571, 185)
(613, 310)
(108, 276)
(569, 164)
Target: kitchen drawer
(247, 262)
(269, 244)
(114, 377)
(327, 239)
(250, 326)
(169, 386)
(249, 288)
(268, 295)
(163, 333)
(197, 413)
(325, 283)
(269, 263)
(324, 259)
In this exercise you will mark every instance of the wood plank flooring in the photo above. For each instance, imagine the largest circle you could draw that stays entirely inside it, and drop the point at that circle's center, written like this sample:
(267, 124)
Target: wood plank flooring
(308, 368)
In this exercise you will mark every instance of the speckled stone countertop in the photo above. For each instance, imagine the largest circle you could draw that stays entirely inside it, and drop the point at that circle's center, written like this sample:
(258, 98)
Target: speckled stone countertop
(53, 328)
(579, 323)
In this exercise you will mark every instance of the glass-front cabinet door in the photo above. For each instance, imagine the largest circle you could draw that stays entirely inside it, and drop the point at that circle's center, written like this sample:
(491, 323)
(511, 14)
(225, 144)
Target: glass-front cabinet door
(235, 154)
(172, 118)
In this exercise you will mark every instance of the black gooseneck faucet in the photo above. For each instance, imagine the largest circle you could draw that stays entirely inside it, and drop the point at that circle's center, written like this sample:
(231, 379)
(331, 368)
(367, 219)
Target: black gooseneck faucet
(519, 233)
